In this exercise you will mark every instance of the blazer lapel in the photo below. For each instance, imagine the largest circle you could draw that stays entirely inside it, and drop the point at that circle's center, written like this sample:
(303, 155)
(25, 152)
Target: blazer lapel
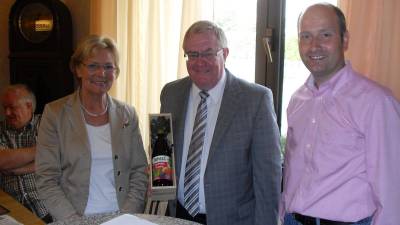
(229, 105)
(118, 118)
(73, 107)
(179, 129)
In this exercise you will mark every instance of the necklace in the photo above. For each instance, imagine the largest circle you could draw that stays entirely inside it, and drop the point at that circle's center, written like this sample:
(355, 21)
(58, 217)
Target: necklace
(95, 114)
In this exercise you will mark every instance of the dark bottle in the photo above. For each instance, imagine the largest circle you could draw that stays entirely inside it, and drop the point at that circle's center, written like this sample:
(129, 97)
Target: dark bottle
(161, 162)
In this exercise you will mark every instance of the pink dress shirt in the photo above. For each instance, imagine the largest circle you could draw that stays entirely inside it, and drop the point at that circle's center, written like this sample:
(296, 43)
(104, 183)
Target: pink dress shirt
(342, 159)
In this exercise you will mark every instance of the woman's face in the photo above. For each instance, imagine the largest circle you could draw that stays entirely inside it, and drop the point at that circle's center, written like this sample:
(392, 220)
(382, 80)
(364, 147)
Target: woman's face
(97, 73)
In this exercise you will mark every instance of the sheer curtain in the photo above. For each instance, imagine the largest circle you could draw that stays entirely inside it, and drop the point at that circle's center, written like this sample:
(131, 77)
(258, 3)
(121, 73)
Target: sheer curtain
(149, 34)
(374, 47)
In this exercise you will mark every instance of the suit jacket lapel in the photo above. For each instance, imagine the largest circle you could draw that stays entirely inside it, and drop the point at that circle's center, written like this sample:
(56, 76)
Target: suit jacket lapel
(229, 105)
(78, 122)
(118, 120)
(73, 107)
(180, 117)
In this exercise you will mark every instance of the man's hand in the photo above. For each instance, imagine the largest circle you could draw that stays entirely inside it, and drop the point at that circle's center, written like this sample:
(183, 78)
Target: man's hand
(11, 159)
(30, 168)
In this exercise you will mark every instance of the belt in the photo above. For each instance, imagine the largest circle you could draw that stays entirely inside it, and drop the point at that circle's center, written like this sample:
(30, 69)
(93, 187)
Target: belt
(201, 216)
(182, 213)
(308, 220)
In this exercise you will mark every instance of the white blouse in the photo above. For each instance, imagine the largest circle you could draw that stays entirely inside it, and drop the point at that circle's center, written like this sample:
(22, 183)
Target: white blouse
(102, 194)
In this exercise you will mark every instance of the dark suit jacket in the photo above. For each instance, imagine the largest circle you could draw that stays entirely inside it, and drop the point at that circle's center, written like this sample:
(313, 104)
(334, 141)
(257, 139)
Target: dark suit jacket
(243, 175)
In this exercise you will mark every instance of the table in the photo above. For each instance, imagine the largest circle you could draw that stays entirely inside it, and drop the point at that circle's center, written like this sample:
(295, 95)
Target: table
(101, 218)
(18, 211)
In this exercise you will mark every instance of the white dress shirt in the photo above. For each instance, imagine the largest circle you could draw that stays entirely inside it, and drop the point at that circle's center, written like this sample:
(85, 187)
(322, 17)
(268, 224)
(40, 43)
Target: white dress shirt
(213, 105)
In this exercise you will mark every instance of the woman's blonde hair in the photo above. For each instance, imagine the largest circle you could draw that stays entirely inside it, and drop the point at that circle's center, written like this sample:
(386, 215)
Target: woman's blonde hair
(87, 48)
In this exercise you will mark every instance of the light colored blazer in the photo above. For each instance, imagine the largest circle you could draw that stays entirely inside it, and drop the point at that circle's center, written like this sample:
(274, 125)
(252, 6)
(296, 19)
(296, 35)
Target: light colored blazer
(63, 158)
(243, 175)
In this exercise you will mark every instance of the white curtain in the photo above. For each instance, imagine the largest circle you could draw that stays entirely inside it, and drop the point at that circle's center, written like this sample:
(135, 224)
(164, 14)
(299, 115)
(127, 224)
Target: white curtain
(149, 36)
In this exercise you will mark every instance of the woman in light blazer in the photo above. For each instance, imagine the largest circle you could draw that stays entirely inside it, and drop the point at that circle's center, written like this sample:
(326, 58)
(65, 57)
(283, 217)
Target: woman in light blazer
(90, 157)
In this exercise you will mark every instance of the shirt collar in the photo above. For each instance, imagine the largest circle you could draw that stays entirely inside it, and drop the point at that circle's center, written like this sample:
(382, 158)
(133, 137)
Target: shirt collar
(215, 94)
(27, 126)
(333, 84)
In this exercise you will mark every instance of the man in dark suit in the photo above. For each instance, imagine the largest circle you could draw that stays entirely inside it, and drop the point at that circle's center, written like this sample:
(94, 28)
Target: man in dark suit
(229, 170)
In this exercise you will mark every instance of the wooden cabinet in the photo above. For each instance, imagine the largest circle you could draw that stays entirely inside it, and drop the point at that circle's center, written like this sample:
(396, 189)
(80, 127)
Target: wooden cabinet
(40, 41)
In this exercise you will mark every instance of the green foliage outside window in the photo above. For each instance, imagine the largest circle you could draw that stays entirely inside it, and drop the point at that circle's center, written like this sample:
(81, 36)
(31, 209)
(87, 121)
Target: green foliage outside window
(291, 48)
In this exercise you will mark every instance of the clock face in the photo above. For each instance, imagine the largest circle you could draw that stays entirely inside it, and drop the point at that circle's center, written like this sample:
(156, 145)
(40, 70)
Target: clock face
(35, 22)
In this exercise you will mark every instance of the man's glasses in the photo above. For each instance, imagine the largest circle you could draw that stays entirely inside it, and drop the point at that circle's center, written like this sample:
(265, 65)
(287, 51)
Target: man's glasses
(93, 67)
(208, 55)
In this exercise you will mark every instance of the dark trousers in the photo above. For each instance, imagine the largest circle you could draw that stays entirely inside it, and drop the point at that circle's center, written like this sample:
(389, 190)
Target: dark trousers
(182, 213)
(47, 219)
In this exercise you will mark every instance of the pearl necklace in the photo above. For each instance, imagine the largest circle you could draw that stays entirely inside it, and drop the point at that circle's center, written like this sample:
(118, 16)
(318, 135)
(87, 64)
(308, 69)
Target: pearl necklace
(95, 114)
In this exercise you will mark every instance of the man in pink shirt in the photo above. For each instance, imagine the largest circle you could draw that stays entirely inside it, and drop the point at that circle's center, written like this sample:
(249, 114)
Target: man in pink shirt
(342, 151)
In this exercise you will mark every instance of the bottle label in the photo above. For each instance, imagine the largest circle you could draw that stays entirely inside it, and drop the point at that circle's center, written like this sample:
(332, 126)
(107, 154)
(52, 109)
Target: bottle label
(162, 167)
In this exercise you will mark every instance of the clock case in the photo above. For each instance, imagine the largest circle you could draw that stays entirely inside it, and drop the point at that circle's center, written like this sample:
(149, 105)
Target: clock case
(42, 65)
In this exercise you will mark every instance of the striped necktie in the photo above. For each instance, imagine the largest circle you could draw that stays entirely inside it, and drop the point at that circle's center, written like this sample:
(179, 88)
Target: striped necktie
(192, 170)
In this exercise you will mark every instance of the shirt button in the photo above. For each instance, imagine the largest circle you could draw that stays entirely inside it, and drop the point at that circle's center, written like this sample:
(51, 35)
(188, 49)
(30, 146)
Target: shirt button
(313, 120)
(120, 189)
(118, 173)
(308, 145)
(116, 157)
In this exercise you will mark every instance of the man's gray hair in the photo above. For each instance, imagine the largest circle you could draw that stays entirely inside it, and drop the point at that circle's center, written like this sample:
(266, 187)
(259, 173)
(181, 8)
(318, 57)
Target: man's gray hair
(203, 26)
(27, 94)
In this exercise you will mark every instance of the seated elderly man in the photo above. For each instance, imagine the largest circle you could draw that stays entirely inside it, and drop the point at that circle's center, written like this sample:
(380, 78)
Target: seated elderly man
(18, 134)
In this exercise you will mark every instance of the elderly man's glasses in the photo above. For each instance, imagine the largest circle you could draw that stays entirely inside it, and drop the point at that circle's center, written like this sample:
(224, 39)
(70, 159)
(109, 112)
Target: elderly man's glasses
(208, 55)
(93, 67)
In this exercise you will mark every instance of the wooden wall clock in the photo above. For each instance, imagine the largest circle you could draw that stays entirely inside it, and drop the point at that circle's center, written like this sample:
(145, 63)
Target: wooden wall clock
(40, 42)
